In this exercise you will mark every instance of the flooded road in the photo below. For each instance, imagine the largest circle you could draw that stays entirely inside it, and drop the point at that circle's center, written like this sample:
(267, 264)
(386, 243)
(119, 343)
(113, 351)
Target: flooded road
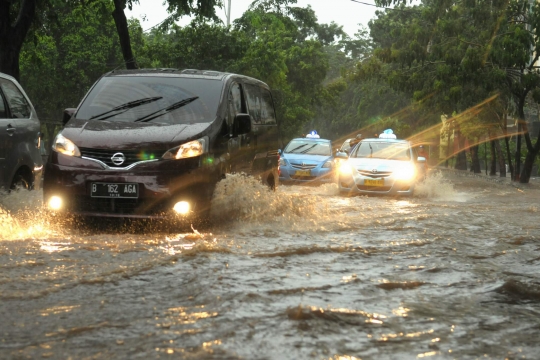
(450, 273)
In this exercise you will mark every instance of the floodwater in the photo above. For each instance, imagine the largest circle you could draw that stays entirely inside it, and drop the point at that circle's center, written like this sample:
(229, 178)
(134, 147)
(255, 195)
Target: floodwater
(300, 274)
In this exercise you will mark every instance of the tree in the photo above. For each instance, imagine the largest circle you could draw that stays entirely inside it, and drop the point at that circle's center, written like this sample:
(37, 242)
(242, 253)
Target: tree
(16, 17)
(177, 9)
(454, 55)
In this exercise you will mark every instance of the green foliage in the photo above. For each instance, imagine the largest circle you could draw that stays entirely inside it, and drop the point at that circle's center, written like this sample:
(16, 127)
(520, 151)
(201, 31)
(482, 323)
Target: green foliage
(62, 58)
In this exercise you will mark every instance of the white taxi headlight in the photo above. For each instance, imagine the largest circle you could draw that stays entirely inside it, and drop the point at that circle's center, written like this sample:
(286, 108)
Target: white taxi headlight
(65, 146)
(345, 168)
(407, 172)
(188, 150)
(328, 164)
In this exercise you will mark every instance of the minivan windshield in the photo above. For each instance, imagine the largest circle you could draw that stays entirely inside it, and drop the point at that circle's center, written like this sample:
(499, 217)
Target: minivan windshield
(130, 98)
(382, 150)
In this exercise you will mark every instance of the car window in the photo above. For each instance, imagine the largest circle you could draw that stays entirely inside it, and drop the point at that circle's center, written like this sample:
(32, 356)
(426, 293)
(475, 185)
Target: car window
(3, 113)
(260, 105)
(382, 150)
(308, 147)
(16, 101)
(235, 102)
(114, 91)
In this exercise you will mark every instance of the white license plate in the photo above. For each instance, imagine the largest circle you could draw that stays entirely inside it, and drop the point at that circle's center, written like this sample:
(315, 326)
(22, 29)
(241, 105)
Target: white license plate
(114, 190)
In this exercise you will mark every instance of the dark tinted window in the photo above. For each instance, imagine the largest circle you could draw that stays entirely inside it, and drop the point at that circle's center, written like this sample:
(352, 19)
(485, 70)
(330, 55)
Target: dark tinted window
(3, 113)
(114, 91)
(260, 105)
(17, 102)
(310, 147)
(235, 102)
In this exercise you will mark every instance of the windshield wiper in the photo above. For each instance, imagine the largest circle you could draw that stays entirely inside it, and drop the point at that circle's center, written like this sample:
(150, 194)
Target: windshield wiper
(127, 106)
(169, 108)
(371, 150)
(309, 148)
(296, 148)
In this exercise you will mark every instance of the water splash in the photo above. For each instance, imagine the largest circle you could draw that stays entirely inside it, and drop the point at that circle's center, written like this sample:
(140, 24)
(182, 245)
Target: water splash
(437, 187)
(22, 216)
(242, 197)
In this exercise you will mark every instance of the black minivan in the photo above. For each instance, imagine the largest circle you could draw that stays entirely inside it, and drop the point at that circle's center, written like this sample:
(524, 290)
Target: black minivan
(148, 143)
(20, 140)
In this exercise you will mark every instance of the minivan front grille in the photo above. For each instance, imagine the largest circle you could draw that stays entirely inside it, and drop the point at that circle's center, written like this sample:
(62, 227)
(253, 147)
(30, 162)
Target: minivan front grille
(131, 156)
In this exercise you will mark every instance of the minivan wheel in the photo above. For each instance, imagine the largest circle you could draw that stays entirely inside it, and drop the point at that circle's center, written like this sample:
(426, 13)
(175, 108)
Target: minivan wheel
(20, 182)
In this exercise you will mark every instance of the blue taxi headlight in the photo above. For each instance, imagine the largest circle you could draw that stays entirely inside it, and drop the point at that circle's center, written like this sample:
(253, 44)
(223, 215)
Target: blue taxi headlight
(282, 162)
(405, 172)
(328, 164)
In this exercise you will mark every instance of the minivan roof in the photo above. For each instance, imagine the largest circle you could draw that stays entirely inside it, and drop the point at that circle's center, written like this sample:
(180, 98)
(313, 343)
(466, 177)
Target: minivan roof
(186, 73)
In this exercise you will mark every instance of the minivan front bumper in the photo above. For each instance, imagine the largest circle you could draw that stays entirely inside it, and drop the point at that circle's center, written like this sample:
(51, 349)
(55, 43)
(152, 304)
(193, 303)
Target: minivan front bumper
(161, 184)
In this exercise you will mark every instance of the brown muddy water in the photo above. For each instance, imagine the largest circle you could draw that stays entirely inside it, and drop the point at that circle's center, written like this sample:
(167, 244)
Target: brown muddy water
(301, 274)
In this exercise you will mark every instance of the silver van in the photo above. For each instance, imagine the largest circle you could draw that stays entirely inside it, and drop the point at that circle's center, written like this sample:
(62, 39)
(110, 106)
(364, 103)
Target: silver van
(20, 159)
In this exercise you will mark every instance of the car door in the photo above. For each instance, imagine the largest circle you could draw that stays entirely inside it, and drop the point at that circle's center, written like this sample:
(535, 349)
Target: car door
(238, 146)
(17, 131)
(3, 140)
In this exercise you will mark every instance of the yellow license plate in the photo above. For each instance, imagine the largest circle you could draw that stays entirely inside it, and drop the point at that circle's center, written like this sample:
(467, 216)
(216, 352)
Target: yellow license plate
(303, 173)
(378, 182)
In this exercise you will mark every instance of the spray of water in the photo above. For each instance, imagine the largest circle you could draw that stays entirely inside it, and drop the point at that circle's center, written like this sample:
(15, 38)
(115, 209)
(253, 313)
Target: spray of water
(244, 198)
(22, 217)
(437, 187)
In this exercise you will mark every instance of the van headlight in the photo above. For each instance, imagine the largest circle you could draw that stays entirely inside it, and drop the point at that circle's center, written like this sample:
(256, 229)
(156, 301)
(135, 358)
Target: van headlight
(406, 172)
(188, 150)
(65, 146)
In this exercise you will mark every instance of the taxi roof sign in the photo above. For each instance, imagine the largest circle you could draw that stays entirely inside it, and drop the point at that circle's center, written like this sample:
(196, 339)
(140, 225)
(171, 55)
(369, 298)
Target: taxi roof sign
(387, 134)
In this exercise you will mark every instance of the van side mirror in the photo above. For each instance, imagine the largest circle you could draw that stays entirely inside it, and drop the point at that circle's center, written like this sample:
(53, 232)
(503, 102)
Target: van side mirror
(68, 113)
(242, 124)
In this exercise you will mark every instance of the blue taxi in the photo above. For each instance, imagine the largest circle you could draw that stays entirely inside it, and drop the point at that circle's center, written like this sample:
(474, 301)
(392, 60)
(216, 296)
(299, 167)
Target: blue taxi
(307, 160)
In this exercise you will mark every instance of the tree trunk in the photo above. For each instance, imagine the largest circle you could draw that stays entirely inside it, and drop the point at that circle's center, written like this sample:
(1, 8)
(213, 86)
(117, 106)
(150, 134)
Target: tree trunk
(123, 33)
(493, 160)
(475, 160)
(461, 157)
(532, 153)
(500, 157)
(13, 33)
(518, 153)
(507, 143)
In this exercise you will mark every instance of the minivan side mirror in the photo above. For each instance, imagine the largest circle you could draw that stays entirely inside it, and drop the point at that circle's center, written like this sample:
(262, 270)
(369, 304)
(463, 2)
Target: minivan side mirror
(242, 124)
(68, 113)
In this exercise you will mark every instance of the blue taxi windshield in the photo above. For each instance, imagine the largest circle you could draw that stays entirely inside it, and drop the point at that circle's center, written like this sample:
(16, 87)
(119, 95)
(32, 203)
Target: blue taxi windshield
(309, 147)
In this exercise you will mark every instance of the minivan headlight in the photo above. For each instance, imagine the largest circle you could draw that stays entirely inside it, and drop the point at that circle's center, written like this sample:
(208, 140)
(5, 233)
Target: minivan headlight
(188, 150)
(65, 146)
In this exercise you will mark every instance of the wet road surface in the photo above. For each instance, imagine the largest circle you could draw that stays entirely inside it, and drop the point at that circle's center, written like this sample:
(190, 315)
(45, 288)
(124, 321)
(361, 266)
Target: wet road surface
(303, 273)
